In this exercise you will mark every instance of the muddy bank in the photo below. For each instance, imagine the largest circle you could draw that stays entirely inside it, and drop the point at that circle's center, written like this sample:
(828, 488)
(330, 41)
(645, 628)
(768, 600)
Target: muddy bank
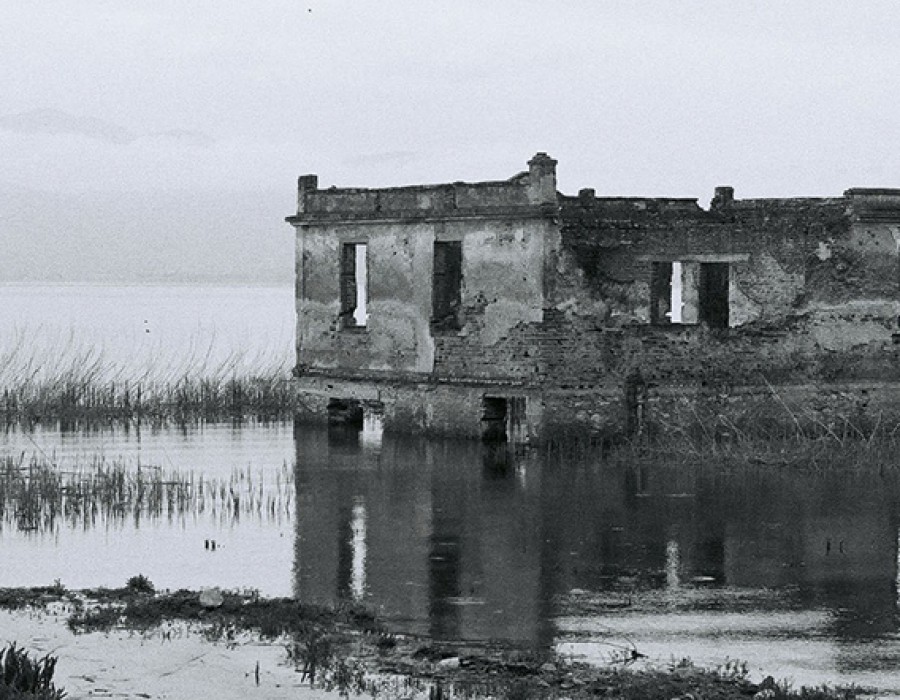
(135, 643)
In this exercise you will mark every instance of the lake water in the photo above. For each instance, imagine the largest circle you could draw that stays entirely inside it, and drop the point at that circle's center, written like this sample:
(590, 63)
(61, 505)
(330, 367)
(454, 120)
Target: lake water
(794, 572)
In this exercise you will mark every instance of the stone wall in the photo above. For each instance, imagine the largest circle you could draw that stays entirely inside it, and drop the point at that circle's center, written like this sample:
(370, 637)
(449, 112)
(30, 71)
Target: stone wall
(799, 310)
(419, 406)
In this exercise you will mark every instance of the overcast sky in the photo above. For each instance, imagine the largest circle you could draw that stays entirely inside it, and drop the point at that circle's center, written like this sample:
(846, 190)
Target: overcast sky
(117, 115)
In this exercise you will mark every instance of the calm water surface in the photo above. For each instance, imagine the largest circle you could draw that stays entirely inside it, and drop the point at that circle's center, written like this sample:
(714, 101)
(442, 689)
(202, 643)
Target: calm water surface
(795, 573)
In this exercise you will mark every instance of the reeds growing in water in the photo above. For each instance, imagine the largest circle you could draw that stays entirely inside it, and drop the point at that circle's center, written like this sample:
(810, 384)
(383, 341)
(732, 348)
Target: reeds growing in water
(38, 495)
(43, 378)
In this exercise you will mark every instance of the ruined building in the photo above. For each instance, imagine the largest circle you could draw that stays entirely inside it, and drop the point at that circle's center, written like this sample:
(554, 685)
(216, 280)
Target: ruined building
(506, 308)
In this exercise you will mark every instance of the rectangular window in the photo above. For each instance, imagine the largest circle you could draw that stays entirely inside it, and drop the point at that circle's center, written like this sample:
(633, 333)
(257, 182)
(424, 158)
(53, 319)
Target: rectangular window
(688, 292)
(713, 307)
(353, 285)
(446, 292)
(661, 293)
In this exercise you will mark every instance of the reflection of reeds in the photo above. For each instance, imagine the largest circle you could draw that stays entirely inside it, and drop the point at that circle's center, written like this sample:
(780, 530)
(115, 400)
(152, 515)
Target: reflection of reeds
(37, 495)
(45, 378)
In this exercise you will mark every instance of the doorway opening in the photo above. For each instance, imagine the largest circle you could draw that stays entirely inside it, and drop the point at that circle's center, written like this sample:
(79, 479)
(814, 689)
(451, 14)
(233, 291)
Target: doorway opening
(503, 419)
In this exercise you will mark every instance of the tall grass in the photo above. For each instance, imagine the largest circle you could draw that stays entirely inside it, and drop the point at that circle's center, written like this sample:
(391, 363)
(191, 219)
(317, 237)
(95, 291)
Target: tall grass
(784, 437)
(38, 495)
(63, 378)
(777, 434)
(25, 678)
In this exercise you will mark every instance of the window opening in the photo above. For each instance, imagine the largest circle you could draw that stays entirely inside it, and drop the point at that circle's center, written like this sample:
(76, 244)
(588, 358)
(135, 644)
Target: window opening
(446, 286)
(354, 282)
(493, 419)
(345, 412)
(683, 292)
(713, 309)
(516, 423)
(661, 293)
(504, 419)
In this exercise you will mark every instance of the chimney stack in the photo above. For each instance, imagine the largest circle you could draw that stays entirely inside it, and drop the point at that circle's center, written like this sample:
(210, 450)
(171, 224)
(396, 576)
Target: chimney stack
(306, 184)
(542, 179)
(723, 198)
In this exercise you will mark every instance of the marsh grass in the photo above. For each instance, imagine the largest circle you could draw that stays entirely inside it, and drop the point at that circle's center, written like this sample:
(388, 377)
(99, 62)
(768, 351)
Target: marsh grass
(776, 432)
(779, 437)
(65, 379)
(25, 678)
(39, 495)
(806, 442)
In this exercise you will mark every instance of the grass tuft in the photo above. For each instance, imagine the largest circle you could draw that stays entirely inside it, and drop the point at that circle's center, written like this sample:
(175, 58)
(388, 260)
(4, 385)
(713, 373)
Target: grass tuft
(24, 678)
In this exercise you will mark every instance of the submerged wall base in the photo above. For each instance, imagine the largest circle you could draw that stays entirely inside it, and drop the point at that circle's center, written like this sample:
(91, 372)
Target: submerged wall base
(535, 415)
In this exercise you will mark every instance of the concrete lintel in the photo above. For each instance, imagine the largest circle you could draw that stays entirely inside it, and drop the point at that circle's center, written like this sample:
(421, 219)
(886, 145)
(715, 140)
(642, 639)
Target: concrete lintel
(695, 257)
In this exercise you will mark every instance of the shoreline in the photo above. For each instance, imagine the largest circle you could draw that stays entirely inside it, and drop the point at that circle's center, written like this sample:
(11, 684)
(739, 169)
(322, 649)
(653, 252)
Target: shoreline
(134, 642)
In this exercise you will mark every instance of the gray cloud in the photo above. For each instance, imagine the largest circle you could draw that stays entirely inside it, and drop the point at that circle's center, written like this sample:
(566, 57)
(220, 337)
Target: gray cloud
(54, 121)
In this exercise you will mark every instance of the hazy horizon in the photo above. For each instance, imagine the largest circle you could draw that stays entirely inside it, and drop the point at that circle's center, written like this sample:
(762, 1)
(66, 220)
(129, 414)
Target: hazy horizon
(159, 142)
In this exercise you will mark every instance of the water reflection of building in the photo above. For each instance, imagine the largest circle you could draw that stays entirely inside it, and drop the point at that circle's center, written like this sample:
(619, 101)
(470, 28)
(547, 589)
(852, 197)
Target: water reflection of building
(460, 540)
(440, 538)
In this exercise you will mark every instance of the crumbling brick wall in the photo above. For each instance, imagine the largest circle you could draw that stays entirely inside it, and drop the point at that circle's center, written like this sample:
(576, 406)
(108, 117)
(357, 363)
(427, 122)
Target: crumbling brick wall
(784, 323)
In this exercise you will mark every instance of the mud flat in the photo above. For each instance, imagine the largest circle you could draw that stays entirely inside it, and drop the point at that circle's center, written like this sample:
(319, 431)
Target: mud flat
(129, 664)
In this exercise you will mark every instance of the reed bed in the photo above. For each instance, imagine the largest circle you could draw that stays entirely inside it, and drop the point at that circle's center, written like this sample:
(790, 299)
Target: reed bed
(783, 437)
(49, 378)
(39, 495)
(805, 442)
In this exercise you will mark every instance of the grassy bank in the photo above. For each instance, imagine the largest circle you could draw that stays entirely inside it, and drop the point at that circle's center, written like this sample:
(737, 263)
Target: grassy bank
(346, 649)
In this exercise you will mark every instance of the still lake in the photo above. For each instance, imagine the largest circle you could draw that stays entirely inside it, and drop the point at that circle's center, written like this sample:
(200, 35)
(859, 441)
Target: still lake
(794, 572)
